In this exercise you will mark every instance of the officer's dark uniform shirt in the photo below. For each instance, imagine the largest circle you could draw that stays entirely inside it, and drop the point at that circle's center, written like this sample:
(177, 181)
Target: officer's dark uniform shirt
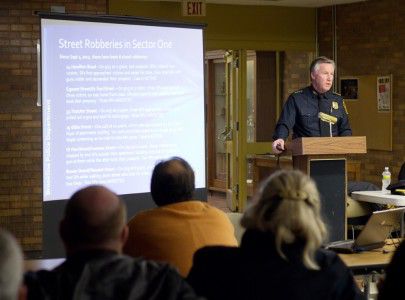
(300, 113)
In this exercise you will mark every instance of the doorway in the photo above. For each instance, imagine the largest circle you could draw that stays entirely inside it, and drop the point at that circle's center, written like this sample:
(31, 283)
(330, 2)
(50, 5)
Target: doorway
(243, 103)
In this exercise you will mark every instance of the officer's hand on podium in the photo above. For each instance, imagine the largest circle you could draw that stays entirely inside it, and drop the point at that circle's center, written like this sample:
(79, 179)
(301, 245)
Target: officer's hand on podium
(278, 146)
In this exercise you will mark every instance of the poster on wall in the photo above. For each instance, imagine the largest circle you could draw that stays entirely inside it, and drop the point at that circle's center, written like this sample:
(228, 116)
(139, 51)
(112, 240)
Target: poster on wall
(349, 88)
(384, 93)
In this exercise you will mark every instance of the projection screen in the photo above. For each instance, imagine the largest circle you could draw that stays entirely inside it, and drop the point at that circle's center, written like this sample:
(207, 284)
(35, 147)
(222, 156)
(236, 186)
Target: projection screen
(118, 95)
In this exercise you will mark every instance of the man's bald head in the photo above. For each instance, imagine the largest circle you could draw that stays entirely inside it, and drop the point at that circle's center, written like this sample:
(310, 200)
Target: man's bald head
(94, 218)
(172, 181)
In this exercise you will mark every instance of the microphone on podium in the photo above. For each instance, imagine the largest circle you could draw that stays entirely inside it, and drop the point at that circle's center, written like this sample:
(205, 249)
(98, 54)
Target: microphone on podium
(327, 118)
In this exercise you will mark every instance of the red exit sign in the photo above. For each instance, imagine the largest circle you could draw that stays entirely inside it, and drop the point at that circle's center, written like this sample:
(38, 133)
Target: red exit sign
(193, 8)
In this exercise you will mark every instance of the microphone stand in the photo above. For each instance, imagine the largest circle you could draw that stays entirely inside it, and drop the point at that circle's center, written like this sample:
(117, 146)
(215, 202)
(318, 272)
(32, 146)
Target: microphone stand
(330, 124)
(330, 129)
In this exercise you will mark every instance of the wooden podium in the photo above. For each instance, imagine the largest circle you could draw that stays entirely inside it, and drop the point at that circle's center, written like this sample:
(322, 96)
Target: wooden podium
(324, 159)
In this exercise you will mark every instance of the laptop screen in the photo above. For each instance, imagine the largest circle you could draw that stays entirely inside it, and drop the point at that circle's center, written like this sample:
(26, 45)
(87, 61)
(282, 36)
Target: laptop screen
(379, 227)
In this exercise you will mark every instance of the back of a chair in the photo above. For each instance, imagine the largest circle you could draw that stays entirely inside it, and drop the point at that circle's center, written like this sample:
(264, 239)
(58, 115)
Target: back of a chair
(358, 212)
(235, 218)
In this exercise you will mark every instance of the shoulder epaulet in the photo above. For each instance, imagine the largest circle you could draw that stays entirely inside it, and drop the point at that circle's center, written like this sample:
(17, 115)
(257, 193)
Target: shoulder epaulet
(298, 92)
(334, 93)
(344, 106)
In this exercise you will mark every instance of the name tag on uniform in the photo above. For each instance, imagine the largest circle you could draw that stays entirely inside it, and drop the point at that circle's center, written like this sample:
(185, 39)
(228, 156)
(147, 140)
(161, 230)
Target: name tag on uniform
(335, 105)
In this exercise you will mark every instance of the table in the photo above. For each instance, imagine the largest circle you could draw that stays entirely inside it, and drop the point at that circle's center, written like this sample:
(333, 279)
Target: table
(363, 262)
(379, 197)
(368, 264)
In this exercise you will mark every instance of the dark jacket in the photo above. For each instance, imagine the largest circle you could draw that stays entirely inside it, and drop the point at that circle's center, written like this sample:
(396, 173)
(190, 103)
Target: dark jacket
(107, 275)
(391, 288)
(300, 114)
(256, 271)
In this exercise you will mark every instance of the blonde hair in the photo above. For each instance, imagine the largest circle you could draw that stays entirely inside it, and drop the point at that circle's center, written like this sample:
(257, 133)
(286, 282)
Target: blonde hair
(288, 205)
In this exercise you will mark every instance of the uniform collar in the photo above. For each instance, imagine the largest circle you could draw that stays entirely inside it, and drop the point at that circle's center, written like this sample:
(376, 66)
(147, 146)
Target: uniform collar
(327, 95)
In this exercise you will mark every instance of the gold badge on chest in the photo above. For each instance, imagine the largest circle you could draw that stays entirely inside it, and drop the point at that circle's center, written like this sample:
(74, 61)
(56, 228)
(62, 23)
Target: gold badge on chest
(335, 105)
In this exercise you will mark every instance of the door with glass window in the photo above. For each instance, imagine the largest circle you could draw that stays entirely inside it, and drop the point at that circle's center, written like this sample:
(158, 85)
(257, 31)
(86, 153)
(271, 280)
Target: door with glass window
(216, 120)
(247, 103)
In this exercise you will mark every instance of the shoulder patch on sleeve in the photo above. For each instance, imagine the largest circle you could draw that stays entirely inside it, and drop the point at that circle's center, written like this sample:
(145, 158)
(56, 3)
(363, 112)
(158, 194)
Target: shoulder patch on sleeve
(344, 106)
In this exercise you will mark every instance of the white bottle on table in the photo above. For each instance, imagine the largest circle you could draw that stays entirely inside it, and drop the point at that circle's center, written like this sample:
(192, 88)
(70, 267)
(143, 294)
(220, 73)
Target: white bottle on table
(386, 179)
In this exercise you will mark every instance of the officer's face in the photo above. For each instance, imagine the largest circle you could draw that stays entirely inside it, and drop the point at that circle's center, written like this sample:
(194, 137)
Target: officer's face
(322, 78)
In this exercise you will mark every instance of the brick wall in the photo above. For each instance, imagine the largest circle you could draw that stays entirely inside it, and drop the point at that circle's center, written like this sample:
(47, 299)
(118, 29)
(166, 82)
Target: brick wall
(295, 71)
(20, 118)
(371, 40)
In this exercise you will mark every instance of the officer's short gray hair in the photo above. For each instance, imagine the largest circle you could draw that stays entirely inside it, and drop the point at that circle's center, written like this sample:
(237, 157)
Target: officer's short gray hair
(11, 266)
(320, 60)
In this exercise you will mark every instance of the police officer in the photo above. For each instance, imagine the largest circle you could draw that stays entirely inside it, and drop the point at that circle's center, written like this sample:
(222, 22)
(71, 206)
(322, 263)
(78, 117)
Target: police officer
(301, 110)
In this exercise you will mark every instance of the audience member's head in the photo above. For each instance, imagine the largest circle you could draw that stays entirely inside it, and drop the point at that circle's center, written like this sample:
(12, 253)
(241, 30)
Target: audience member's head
(172, 181)
(288, 206)
(11, 267)
(95, 218)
